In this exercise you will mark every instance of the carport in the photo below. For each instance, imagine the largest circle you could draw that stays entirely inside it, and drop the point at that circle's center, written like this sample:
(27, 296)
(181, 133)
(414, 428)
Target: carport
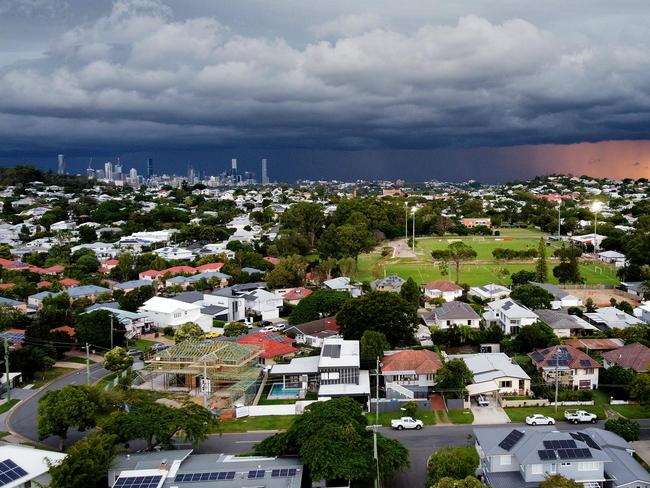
(491, 414)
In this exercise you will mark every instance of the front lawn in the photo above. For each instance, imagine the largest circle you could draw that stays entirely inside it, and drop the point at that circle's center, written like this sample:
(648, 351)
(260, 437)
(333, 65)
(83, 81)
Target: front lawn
(41, 379)
(460, 416)
(425, 416)
(265, 422)
(632, 411)
(143, 345)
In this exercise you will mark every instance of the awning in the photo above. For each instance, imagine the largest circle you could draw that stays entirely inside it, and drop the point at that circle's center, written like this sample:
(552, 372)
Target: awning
(484, 387)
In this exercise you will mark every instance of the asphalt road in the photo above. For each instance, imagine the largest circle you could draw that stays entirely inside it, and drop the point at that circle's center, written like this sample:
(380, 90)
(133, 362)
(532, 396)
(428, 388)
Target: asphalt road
(23, 419)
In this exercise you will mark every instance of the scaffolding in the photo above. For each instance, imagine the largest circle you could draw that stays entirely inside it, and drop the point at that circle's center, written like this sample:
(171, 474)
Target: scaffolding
(225, 372)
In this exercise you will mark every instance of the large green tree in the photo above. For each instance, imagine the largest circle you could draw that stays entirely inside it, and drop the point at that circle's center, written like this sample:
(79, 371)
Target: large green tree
(321, 303)
(568, 271)
(468, 482)
(532, 296)
(289, 271)
(188, 331)
(86, 464)
(640, 389)
(410, 292)
(95, 328)
(628, 429)
(541, 267)
(535, 336)
(452, 462)
(384, 312)
(559, 481)
(72, 406)
(117, 359)
(372, 345)
(453, 378)
(456, 253)
(348, 240)
(305, 217)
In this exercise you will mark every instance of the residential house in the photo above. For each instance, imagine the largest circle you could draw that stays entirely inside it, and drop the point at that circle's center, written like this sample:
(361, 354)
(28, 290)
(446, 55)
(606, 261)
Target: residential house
(410, 373)
(574, 368)
(390, 283)
(135, 324)
(233, 302)
(564, 324)
(523, 457)
(336, 372)
(103, 250)
(263, 303)
(315, 332)
(343, 283)
(495, 373)
(509, 315)
(447, 290)
(36, 300)
(17, 304)
(643, 312)
(129, 286)
(635, 288)
(63, 225)
(24, 466)
(475, 222)
(182, 468)
(90, 292)
(635, 357)
(612, 257)
(167, 312)
(453, 314)
(294, 295)
(601, 344)
(608, 318)
(561, 299)
(273, 345)
(173, 253)
(489, 292)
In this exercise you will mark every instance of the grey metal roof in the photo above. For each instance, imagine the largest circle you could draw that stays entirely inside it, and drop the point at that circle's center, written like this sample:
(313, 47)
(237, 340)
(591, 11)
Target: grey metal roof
(189, 296)
(455, 311)
(561, 320)
(558, 293)
(508, 479)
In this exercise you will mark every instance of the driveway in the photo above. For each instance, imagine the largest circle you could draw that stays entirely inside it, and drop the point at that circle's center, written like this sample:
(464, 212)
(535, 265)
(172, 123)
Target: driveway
(490, 414)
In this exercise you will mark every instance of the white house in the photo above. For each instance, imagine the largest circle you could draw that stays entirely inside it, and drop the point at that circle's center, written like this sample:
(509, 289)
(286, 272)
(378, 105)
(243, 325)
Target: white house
(264, 303)
(103, 250)
(613, 257)
(607, 318)
(63, 225)
(167, 312)
(24, 466)
(510, 315)
(489, 292)
(172, 253)
(343, 283)
(561, 299)
(642, 312)
(451, 314)
(226, 297)
(447, 290)
(495, 373)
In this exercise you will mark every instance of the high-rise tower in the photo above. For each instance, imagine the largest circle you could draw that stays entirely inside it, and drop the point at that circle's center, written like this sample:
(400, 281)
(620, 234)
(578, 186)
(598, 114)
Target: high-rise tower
(108, 170)
(61, 168)
(149, 167)
(265, 175)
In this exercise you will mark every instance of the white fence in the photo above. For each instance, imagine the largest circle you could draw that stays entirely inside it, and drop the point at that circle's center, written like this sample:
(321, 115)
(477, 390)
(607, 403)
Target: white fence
(540, 402)
(261, 410)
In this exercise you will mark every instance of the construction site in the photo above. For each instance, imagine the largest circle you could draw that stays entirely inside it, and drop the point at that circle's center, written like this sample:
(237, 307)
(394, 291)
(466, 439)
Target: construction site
(219, 373)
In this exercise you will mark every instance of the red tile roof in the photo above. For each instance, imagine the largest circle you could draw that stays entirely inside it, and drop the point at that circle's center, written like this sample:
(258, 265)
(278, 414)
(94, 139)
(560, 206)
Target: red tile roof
(57, 268)
(443, 285)
(68, 282)
(576, 359)
(421, 361)
(297, 294)
(44, 284)
(209, 267)
(272, 344)
(65, 328)
(632, 356)
(595, 344)
(271, 259)
(6, 286)
(6, 263)
(111, 262)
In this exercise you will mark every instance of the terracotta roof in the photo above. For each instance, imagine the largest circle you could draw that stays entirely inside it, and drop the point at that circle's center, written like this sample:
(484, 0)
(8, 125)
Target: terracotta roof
(272, 344)
(271, 259)
(6, 263)
(69, 282)
(595, 344)
(65, 328)
(209, 267)
(421, 361)
(297, 293)
(567, 356)
(44, 284)
(152, 272)
(111, 262)
(6, 286)
(633, 356)
(179, 269)
(57, 268)
(443, 285)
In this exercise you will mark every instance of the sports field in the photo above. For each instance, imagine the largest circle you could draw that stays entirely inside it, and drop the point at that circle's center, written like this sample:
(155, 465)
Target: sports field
(484, 270)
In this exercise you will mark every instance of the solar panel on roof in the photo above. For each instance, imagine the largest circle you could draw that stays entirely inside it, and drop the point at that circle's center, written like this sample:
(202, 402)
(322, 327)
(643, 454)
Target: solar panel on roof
(547, 455)
(537, 356)
(332, 350)
(10, 471)
(511, 439)
(137, 482)
(585, 362)
(256, 474)
(283, 473)
(209, 476)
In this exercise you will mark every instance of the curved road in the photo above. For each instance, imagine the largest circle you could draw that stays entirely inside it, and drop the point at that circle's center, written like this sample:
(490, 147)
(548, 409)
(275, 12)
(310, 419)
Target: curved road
(22, 419)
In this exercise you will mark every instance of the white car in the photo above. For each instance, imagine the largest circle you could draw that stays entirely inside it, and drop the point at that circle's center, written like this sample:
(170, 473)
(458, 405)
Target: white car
(482, 401)
(406, 423)
(268, 328)
(539, 419)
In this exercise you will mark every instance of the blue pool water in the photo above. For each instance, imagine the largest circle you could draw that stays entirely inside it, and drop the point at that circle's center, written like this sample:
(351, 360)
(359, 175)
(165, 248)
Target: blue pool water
(278, 390)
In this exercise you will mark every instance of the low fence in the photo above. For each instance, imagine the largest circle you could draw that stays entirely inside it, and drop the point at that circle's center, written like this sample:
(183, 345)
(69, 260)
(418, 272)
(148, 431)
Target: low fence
(541, 402)
(623, 402)
(262, 410)
(390, 405)
(456, 404)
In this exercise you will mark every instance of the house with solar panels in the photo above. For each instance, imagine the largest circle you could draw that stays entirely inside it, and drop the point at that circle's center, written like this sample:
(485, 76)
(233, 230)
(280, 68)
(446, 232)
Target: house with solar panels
(22, 466)
(522, 458)
(575, 368)
(183, 468)
(509, 315)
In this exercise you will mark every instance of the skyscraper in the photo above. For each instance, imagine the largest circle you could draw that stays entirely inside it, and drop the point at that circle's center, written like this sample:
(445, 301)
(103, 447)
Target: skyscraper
(149, 167)
(117, 171)
(133, 177)
(108, 170)
(265, 175)
(233, 165)
(61, 169)
(90, 172)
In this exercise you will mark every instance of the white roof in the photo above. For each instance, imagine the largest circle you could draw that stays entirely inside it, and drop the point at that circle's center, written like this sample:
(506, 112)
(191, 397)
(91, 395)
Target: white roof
(613, 317)
(491, 366)
(485, 387)
(611, 254)
(166, 305)
(297, 366)
(32, 460)
(340, 283)
(348, 389)
(337, 352)
(512, 309)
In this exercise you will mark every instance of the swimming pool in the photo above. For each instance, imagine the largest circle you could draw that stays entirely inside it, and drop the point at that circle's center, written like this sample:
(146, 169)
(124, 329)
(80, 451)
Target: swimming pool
(278, 392)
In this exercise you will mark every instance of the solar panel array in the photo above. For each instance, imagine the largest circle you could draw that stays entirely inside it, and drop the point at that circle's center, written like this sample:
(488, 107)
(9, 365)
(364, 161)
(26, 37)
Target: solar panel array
(560, 444)
(138, 482)
(256, 474)
(574, 453)
(332, 350)
(283, 473)
(211, 476)
(537, 356)
(15, 337)
(511, 439)
(547, 455)
(581, 436)
(10, 471)
(585, 362)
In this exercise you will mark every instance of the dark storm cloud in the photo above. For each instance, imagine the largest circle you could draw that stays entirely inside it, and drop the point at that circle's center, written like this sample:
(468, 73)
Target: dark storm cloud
(142, 74)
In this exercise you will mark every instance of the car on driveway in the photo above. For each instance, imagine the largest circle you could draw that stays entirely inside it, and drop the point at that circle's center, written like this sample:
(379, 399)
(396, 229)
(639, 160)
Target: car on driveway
(539, 419)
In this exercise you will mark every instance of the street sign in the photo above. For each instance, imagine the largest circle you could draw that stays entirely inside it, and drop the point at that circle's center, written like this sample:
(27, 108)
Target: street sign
(205, 386)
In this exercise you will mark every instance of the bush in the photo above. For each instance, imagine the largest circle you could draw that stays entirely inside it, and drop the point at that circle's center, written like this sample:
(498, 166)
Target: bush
(168, 331)
(626, 428)
(452, 462)
(410, 409)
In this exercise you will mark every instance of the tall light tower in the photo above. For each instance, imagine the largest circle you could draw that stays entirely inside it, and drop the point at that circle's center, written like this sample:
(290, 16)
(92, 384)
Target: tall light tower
(413, 210)
(595, 208)
(406, 222)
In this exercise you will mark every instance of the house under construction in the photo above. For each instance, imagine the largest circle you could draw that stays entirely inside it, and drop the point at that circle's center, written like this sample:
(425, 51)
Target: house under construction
(224, 372)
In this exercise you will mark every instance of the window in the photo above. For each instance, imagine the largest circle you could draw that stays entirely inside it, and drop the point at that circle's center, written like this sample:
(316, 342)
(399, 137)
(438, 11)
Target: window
(469, 322)
(506, 384)
(566, 464)
(505, 460)
(589, 371)
(536, 468)
(552, 468)
(588, 466)
(334, 375)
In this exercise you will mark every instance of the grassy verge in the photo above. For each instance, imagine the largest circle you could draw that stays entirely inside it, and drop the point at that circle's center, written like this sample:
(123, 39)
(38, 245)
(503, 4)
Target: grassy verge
(42, 378)
(519, 414)
(6, 406)
(460, 416)
(632, 411)
(384, 418)
(108, 379)
(141, 344)
(75, 359)
(266, 422)
(3, 434)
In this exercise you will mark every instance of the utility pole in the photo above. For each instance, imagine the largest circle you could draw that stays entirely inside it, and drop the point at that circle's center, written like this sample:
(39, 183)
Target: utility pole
(413, 210)
(557, 378)
(376, 451)
(7, 370)
(406, 222)
(559, 220)
(87, 363)
(205, 384)
(111, 331)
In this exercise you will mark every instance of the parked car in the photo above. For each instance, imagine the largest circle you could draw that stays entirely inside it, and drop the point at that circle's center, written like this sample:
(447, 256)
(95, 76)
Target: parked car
(580, 416)
(279, 327)
(482, 401)
(212, 335)
(406, 423)
(268, 328)
(539, 419)
(135, 353)
(158, 346)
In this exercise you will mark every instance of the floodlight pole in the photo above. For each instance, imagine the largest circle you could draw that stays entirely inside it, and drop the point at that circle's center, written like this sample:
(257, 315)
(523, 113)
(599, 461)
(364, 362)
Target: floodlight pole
(6, 344)
(556, 378)
(413, 230)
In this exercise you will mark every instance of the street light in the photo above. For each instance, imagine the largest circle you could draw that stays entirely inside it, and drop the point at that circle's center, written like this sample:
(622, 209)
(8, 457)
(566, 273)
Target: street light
(406, 222)
(413, 210)
(595, 207)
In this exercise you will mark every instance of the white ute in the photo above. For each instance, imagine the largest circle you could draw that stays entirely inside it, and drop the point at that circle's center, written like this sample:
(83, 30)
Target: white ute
(406, 423)
(580, 416)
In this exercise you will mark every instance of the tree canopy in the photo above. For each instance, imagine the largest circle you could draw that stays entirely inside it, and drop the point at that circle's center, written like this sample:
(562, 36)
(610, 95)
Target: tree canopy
(189, 330)
(453, 377)
(457, 253)
(452, 462)
(117, 359)
(321, 303)
(372, 345)
(410, 292)
(559, 481)
(532, 296)
(535, 336)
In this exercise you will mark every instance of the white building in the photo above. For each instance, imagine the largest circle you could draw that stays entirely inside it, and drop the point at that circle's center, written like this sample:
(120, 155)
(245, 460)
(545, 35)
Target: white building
(447, 290)
(607, 318)
(510, 315)
(103, 250)
(264, 303)
(26, 466)
(495, 373)
(561, 299)
(167, 312)
(489, 292)
(343, 283)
